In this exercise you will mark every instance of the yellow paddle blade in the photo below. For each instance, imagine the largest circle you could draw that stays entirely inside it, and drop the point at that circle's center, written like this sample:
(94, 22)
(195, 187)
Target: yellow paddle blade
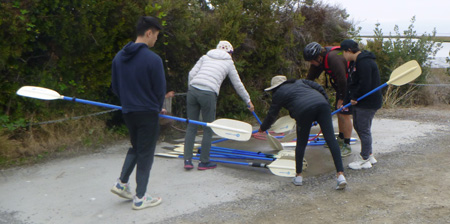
(405, 73)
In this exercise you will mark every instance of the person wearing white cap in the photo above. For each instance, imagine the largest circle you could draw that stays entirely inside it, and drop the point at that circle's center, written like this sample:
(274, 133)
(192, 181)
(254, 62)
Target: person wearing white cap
(204, 82)
(306, 102)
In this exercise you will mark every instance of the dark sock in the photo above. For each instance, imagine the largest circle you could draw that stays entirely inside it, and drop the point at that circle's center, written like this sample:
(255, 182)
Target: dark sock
(347, 141)
(341, 135)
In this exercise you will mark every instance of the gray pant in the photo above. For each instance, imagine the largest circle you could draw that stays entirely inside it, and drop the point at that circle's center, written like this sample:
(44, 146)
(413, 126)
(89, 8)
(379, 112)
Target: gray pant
(362, 122)
(204, 102)
(144, 132)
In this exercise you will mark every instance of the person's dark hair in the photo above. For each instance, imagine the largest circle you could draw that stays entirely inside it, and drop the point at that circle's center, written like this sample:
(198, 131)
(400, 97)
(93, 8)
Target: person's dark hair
(312, 51)
(145, 23)
(350, 45)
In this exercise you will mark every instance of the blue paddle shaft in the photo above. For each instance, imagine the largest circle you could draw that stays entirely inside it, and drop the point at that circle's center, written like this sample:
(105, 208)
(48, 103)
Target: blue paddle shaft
(360, 98)
(120, 108)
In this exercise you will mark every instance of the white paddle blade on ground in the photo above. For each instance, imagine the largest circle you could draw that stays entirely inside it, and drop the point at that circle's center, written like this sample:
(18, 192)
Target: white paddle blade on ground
(283, 124)
(231, 129)
(289, 137)
(405, 73)
(283, 167)
(274, 143)
(38, 93)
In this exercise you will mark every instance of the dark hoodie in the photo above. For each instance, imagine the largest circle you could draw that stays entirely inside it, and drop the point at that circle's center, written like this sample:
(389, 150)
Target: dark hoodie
(364, 78)
(138, 78)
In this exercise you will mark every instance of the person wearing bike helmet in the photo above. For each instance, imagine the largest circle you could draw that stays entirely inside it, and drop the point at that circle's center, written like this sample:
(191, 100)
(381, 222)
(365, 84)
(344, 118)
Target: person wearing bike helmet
(332, 61)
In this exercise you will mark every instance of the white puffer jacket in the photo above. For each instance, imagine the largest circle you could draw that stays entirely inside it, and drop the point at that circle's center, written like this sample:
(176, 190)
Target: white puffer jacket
(211, 69)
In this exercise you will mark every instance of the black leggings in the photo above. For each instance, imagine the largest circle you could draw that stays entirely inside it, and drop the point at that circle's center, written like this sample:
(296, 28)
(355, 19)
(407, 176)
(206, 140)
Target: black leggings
(322, 114)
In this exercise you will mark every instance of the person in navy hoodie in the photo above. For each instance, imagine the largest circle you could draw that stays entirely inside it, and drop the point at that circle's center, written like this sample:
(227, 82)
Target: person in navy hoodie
(139, 81)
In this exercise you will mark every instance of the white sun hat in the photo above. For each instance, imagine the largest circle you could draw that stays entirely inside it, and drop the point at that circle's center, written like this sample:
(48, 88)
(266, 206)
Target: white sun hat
(276, 81)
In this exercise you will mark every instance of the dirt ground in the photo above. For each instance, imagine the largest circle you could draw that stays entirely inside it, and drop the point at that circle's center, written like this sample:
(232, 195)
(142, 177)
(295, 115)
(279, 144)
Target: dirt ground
(411, 185)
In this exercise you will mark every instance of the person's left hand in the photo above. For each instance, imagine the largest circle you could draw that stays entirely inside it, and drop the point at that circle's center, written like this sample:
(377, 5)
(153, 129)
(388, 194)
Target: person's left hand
(170, 94)
(340, 104)
(260, 131)
(251, 107)
(163, 111)
(354, 102)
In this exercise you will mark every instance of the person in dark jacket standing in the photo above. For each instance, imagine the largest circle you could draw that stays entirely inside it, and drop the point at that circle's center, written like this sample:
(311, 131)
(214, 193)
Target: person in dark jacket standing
(306, 102)
(363, 78)
(331, 61)
(139, 81)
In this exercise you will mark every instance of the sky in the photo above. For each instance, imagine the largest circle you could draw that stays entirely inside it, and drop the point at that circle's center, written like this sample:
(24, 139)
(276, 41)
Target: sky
(429, 14)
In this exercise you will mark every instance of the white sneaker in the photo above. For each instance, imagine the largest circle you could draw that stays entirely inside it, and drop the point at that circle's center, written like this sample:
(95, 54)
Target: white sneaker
(341, 182)
(372, 159)
(145, 202)
(360, 164)
(298, 180)
(121, 189)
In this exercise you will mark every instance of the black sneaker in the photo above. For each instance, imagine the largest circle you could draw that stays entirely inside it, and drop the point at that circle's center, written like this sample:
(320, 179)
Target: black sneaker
(206, 166)
(188, 165)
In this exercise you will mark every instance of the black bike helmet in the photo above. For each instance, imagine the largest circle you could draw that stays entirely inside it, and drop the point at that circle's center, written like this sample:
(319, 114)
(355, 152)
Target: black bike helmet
(311, 51)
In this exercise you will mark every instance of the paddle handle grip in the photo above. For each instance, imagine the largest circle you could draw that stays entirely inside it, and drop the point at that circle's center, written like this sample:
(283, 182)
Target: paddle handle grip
(360, 98)
(259, 121)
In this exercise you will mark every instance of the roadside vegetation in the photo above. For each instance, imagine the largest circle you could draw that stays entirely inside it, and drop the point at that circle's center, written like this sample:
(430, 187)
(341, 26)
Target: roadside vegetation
(68, 46)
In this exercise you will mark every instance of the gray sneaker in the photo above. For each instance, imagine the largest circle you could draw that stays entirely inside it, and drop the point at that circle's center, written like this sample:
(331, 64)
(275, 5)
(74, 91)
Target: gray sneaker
(341, 182)
(346, 150)
(298, 180)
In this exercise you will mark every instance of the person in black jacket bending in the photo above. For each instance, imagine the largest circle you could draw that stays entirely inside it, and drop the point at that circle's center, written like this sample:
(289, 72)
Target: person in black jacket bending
(306, 102)
(363, 78)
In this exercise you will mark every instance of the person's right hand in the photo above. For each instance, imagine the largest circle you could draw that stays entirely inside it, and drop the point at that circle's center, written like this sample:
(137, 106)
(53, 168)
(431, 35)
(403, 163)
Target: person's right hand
(251, 107)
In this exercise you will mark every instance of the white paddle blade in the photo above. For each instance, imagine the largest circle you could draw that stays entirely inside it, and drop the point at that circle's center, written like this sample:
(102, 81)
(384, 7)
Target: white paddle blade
(181, 149)
(405, 73)
(167, 155)
(289, 137)
(274, 143)
(283, 124)
(283, 167)
(38, 93)
(231, 129)
(283, 153)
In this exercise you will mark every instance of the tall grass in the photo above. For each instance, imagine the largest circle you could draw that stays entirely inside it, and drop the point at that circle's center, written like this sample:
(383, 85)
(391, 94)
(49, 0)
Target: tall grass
(414, 95)
(37, 143)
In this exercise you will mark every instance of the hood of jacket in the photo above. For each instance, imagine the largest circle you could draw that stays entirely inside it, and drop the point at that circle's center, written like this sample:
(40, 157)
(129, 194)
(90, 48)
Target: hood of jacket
(131, 49)
(219, 54)
(365, 55)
